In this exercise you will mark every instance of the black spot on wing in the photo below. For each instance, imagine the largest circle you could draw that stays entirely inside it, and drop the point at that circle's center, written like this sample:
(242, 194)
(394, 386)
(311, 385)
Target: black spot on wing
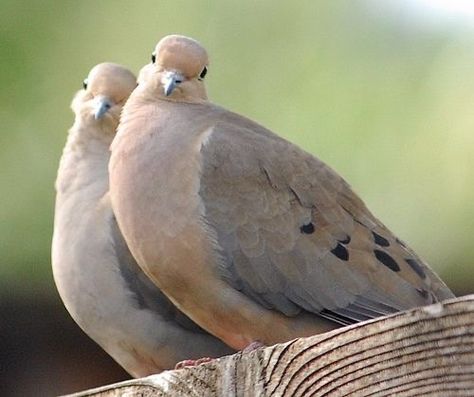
(308, 228)
(341, 252)
(379, 240)
(416, 267)
(386, 260)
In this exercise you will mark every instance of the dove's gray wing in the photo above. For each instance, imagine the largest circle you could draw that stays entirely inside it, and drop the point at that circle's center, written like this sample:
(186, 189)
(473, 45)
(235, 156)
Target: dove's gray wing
(295, 237)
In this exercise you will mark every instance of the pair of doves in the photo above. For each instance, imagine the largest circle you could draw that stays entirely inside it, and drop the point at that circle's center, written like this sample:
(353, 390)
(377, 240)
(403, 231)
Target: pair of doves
(213, 233)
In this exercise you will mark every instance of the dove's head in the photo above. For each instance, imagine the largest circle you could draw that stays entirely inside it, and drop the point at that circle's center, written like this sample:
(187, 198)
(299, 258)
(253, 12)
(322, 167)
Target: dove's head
(104, 93)
(179, 66)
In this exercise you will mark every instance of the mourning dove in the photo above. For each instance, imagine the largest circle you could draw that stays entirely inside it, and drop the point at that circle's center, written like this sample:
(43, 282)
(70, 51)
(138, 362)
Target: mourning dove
(100, 283)
(249, 235)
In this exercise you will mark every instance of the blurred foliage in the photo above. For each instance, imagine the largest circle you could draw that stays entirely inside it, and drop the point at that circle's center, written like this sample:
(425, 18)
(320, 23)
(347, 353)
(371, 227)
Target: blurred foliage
(380, 91)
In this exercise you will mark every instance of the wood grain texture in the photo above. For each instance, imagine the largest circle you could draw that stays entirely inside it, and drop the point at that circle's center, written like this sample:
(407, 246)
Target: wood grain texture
(422, 352)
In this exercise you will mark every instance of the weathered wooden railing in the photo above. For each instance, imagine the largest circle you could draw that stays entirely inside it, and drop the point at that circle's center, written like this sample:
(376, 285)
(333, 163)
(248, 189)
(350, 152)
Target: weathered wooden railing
(422, 352)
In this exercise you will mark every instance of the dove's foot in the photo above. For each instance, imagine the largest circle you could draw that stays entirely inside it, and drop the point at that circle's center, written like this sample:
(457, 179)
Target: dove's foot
(192, 363)
(253, 346)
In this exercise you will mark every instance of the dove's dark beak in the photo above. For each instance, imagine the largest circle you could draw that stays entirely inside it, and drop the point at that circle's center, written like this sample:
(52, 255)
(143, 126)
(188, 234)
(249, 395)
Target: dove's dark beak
(101, 106)
(170, 81)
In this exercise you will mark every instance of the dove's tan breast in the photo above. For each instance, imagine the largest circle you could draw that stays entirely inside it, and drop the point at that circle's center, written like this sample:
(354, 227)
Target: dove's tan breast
(169, 236)
(169, 239)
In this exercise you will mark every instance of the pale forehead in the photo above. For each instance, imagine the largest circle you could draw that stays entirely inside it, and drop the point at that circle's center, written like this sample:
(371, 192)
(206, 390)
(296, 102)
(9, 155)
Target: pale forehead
(182, 54)
(145, 73)
(111, 79)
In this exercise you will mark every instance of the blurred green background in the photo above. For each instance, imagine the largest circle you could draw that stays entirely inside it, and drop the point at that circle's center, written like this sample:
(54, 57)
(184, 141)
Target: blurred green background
(383, 91)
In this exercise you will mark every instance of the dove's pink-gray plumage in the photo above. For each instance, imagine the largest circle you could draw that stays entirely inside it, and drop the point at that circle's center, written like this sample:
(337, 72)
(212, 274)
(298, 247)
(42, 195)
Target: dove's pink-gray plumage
(251, 236)
(99, 281)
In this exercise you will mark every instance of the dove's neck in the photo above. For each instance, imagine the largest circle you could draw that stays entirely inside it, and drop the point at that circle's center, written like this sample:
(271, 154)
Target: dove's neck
(83, 170)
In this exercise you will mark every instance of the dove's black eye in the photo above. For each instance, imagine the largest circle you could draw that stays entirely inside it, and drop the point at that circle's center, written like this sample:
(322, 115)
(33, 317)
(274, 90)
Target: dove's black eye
(84, 84)
(203, 73)
(153, 57)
